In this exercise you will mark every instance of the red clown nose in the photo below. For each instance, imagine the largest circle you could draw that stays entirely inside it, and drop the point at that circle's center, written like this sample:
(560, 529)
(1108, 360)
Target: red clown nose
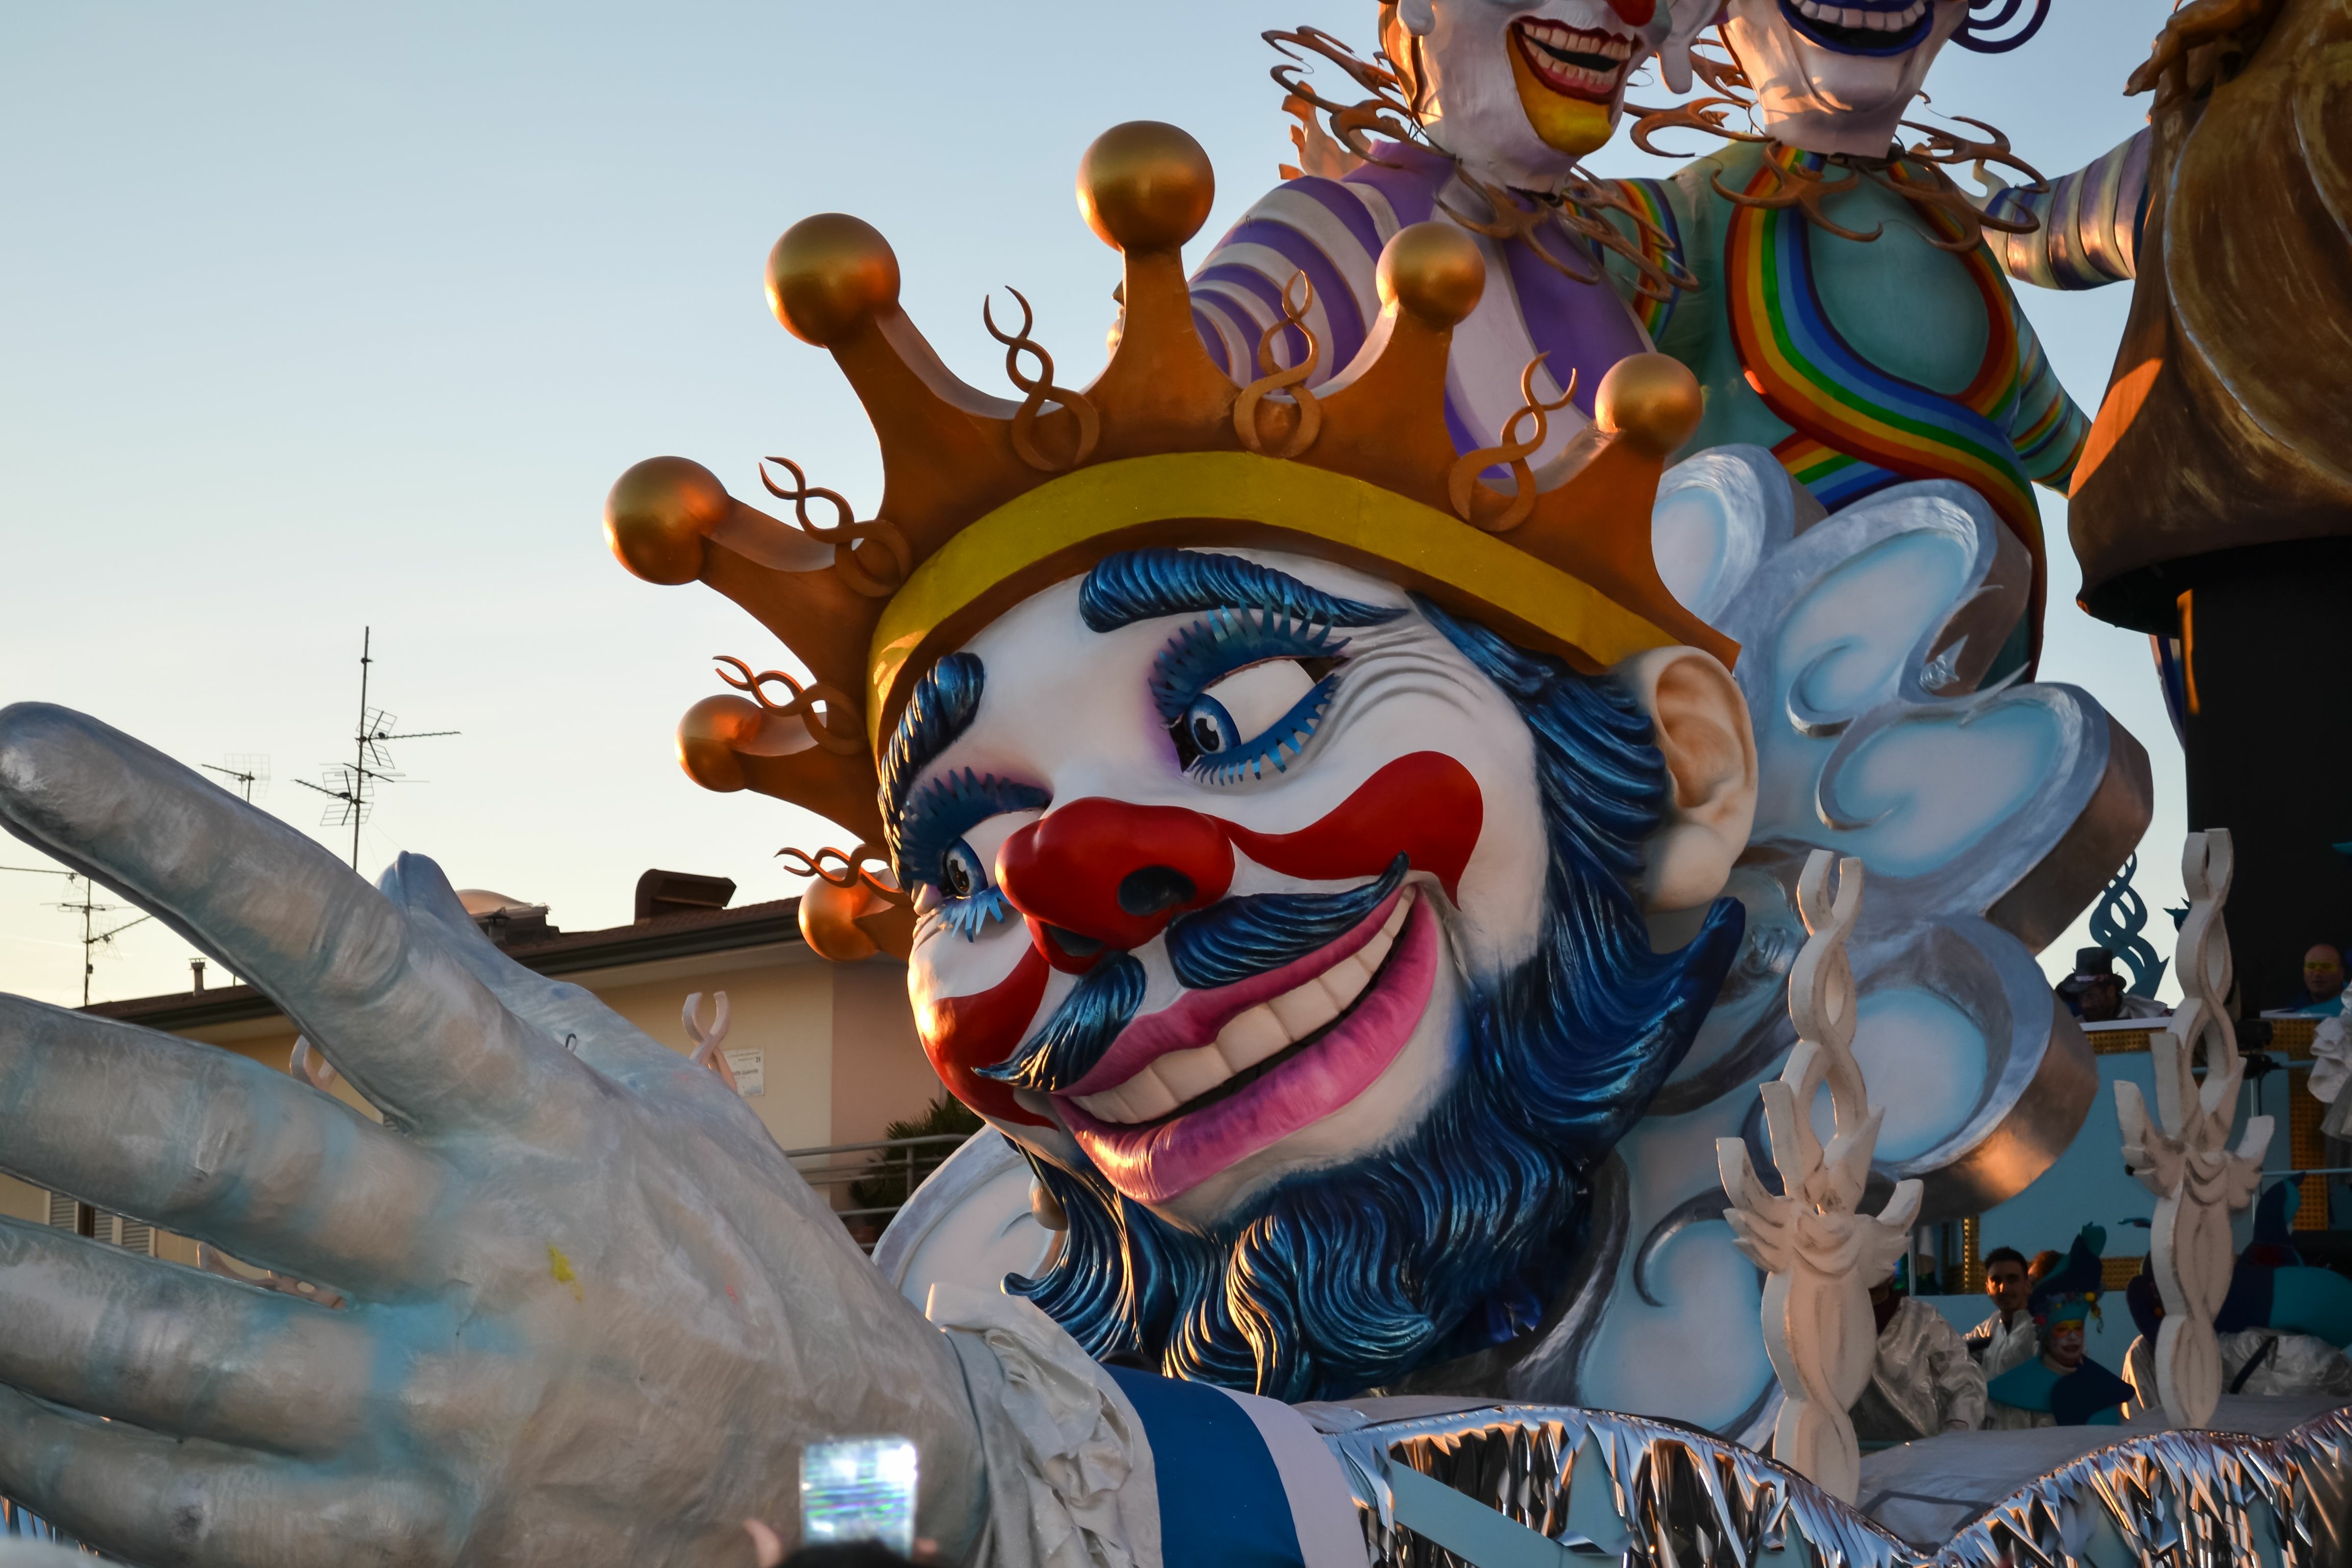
(1097, 875)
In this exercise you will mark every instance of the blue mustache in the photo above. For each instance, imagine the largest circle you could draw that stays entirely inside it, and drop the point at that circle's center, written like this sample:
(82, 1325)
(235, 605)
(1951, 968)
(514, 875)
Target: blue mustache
(1227, 941)
(1081, 1029)
(1247, 936)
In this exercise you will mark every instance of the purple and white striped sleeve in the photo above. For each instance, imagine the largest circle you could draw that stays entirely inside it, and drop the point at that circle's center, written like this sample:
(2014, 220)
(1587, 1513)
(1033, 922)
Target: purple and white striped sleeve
(1329, 229)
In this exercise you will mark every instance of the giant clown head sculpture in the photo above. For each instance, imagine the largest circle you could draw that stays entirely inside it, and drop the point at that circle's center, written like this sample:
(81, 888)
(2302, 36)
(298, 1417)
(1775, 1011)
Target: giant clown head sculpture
(1308, 851)
(1521, 91)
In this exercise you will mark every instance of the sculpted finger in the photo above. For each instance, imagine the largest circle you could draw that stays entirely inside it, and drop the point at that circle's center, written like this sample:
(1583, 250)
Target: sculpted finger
(556, 1008)
(211, 1145)
(403, 1020)
(145, 1497)
(175, 1351)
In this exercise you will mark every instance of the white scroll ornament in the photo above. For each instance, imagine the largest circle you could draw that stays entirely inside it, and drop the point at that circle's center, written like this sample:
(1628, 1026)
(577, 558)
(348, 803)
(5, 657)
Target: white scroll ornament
(1822, 1253)
(2183, 1158)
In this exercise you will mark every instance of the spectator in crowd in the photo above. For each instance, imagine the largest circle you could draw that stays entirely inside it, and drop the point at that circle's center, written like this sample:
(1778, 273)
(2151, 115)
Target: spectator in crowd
(2323, 980)
(2063, 1387)
(2095, 992)
(2006, 1337)
(2044, 1262)
(1922, 1382)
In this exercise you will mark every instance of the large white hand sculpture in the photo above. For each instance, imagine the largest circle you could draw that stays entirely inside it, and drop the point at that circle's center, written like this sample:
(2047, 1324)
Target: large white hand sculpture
(2183, 1157)
(593, 1313)
(1822, 1253)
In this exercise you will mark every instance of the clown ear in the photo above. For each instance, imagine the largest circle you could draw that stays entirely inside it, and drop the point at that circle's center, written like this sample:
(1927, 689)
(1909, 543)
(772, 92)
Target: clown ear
(1703, 732)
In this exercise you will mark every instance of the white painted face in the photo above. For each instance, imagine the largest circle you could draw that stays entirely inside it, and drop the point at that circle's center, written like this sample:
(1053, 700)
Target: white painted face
(1522, 91)
(1189, 756)
(1839, 77)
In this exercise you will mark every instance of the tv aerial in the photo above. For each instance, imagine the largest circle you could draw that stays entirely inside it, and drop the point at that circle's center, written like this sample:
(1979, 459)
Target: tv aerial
(351, 787)
(247, 771)
(88, 907)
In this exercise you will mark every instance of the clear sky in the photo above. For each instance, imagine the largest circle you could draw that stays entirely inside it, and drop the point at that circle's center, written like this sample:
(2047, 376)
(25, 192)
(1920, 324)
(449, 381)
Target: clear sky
(319, 316)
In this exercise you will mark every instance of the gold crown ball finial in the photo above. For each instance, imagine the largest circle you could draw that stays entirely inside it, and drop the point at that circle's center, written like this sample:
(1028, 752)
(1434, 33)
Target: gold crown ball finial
(1146, 185)
(1435, 273)
(829, 273)
(658, 514)
(1652, 400)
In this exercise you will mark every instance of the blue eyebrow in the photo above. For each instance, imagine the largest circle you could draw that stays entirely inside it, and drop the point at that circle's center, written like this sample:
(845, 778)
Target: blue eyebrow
(941, 710)
(947, 809)
(1144, 585)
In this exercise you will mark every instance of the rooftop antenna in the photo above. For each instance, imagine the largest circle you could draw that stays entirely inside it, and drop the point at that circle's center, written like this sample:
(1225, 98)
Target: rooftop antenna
(89, 908)
(249, 772)
(352, 786)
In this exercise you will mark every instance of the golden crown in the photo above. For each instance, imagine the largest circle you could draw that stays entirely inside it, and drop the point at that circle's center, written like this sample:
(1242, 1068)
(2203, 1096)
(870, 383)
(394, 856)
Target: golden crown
(985, 501)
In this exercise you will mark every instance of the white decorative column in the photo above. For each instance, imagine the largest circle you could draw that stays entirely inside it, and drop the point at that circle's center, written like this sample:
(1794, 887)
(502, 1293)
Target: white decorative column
(2183, 1157)
(1822, 1253)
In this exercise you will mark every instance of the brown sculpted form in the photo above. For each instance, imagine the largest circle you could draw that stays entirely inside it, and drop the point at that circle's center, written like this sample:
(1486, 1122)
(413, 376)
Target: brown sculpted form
(2228, 421)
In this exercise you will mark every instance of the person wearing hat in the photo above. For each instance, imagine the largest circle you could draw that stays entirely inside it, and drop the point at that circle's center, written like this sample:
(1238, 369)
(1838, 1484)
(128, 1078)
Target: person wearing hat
(2095, 993)
(2062, 1386)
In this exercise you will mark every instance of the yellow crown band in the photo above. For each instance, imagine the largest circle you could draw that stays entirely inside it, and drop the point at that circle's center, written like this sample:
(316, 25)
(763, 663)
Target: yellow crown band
(1235, 498)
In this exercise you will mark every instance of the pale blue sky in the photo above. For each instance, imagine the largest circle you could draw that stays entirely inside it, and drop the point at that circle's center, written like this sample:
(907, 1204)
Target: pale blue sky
(319, 315)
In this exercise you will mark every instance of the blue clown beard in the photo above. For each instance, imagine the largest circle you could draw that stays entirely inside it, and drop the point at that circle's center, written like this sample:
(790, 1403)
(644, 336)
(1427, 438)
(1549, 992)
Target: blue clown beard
(1453, 1238)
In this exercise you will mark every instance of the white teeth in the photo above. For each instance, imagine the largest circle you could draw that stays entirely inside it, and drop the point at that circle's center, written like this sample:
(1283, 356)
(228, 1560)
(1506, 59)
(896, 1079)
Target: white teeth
(1193, 1073)
(1264, 1031)
(1148, 1097)
(1251, 1038)
(1305, 1010)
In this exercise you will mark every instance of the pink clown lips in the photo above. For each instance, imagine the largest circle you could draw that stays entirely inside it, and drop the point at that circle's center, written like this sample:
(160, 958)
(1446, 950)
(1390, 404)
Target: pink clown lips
(1219, 1075)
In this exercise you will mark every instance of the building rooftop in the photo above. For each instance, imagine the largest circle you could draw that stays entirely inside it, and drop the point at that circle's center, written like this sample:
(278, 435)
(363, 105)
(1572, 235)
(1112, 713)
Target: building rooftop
(684, 934)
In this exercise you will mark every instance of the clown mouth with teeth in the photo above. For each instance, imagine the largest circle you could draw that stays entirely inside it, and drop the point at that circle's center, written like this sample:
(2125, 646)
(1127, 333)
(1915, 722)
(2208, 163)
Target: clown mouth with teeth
(1570, 78)
(1871, 29)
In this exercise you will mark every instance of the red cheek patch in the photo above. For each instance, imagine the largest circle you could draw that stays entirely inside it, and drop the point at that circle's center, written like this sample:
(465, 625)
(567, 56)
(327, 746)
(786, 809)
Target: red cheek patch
(1425, 807)
(962, 1034)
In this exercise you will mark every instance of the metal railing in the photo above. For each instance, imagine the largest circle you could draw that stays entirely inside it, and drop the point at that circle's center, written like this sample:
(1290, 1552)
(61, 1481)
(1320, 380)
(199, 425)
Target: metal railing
(891, 1167)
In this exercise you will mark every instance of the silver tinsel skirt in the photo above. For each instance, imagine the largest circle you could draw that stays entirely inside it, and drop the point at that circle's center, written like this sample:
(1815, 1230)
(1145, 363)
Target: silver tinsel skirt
(1544, 1487)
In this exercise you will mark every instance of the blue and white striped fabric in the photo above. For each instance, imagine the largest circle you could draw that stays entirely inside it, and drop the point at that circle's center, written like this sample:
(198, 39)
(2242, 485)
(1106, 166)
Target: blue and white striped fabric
(2090, 222)
(1243, 1482)
(1332, 230)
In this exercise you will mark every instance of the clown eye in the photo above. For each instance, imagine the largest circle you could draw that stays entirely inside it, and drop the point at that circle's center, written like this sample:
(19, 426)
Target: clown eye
(961, 872)
(1261, 712)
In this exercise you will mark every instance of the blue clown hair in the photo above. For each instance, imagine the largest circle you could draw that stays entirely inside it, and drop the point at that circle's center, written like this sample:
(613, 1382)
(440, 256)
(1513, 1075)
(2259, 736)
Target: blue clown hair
(1453, 1238)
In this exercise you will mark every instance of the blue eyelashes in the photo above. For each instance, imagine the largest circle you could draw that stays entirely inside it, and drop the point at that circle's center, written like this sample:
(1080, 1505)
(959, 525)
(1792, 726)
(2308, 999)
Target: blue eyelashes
(1240, 690)
(927, 844)
(1210, 743)
(970, 916)
(1222, 642)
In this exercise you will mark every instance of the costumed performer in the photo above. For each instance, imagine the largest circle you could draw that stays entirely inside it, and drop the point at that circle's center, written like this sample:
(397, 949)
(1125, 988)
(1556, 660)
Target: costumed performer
(1922, 1381)
(2062, 1386)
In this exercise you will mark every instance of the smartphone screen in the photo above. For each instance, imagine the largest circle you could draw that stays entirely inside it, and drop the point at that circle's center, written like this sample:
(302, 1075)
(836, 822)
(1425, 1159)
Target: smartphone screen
(861, 1489)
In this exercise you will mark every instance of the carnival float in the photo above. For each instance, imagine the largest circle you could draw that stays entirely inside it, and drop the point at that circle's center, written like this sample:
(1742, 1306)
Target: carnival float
(1495, 744)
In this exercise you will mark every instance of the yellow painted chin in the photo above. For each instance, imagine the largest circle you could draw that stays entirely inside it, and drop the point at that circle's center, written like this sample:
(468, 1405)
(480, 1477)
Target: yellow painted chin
(1571, 125)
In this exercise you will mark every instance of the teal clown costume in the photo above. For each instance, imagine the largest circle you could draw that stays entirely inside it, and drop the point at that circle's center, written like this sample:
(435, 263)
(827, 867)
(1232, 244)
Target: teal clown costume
(2044, 1392)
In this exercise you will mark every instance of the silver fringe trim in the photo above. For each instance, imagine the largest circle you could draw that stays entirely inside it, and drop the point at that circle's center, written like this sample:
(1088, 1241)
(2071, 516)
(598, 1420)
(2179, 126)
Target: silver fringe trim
(1652, 1494)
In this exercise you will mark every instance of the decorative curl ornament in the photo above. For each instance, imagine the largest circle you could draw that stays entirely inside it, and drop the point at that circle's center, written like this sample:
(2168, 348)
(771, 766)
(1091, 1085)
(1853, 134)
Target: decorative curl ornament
(1822, 1253)
(2183, 1156)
